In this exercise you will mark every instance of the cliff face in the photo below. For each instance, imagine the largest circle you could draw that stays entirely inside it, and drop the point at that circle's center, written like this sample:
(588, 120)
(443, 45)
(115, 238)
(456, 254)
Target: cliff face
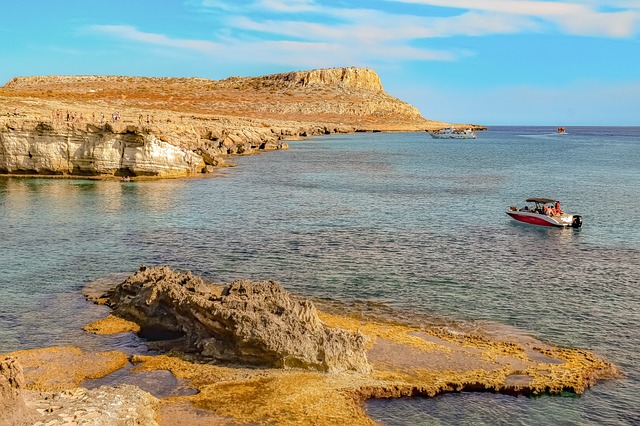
(339, 93)
(348, 77)
(45, 149)
(181, 126)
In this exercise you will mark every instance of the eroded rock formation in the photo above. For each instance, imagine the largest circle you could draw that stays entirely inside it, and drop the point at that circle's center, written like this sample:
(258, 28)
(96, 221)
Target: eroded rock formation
(407, 358)
(170, 127)
(13, 410)
(41, 148)
(244, 322)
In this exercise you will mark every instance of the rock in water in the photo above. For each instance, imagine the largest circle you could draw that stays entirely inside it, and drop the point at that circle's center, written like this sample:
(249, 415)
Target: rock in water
(13, 410)
(257, 323)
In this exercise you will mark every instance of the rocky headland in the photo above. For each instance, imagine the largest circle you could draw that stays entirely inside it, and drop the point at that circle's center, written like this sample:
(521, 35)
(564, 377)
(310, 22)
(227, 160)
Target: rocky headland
(252, 353)
(132, 127)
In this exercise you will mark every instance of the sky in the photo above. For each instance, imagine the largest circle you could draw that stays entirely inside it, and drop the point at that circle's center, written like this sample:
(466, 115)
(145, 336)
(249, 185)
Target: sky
(492, 62)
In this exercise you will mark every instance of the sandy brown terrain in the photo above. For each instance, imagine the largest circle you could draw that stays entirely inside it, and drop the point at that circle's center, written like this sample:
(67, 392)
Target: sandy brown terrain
(348, 97)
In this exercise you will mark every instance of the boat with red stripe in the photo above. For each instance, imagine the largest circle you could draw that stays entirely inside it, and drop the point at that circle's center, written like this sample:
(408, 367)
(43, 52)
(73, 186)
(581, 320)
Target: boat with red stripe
(545, 212)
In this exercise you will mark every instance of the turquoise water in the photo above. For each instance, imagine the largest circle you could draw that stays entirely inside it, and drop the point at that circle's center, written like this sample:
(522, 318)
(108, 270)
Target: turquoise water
(402, 219)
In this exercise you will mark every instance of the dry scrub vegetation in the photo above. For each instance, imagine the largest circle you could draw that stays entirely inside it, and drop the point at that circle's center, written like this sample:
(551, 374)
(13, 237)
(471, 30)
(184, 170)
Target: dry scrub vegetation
(347, 96)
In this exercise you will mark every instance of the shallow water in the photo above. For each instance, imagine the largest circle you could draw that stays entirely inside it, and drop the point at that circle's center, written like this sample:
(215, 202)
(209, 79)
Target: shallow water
(401, 219)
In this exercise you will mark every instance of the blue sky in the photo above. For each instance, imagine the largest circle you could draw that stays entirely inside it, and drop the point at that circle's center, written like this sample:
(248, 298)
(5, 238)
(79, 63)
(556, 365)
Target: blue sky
(573, 62)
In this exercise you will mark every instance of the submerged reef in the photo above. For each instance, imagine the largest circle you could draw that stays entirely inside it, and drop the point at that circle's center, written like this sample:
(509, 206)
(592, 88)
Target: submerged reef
(253, 353)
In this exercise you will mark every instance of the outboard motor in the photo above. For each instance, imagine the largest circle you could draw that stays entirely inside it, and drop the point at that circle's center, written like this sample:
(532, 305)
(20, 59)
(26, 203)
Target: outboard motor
(577, 221)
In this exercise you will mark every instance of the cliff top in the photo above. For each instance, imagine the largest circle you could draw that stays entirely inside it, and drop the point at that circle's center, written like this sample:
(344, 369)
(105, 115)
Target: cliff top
(360, 78)
(345, 96)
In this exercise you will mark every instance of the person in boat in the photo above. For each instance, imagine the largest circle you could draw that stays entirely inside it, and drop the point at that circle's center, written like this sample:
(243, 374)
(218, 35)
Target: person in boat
(558, 209)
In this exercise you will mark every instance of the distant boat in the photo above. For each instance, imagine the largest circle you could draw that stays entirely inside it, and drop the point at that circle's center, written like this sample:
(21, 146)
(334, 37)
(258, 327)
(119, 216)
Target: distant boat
(453, 133)
(562, 131)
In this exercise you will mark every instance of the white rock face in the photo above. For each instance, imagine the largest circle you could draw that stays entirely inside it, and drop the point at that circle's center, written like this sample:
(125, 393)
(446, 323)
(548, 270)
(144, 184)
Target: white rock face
(40, 148)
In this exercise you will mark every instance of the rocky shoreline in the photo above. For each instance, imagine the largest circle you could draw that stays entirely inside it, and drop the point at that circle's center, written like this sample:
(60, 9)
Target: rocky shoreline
(253, 353)
(136, 127)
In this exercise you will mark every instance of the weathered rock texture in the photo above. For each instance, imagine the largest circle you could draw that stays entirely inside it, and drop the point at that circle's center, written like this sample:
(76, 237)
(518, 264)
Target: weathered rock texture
(123, 405)
(181, 126)
(64, 367)
(13, 410)
(47, 392)
(245, 322)
(42, 148)
(407, 360)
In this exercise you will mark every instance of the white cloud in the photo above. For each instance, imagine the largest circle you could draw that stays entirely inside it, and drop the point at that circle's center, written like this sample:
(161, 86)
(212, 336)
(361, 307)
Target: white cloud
(286, 52)
(380, 27)
(572, 17)
(278, 31)
(127, 32)
(288, 6)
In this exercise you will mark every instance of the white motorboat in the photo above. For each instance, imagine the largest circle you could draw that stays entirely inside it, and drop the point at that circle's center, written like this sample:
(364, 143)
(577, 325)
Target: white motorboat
(545, 212)
(453, 133)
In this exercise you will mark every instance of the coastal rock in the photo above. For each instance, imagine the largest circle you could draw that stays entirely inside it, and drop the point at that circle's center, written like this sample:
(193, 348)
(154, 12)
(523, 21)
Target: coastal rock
(41, 148)
(121, 405)
(169, 127)
(256, 323)
(13, 410)
(46, 393)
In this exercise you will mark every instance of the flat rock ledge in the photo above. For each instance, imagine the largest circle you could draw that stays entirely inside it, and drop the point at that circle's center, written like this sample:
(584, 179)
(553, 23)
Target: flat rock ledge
(254, 323)
(105, 406)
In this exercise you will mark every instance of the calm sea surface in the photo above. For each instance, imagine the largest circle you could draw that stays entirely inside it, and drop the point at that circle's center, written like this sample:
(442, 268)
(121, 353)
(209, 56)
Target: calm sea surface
(415, 223)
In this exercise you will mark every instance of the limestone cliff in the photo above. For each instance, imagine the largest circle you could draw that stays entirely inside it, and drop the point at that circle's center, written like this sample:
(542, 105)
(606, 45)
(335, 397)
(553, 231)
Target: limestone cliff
(167, 127)
(93, 150)
(351, 77)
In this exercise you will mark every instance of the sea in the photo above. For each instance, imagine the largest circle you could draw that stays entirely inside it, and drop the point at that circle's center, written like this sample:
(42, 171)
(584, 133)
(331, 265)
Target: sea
(398, 220)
